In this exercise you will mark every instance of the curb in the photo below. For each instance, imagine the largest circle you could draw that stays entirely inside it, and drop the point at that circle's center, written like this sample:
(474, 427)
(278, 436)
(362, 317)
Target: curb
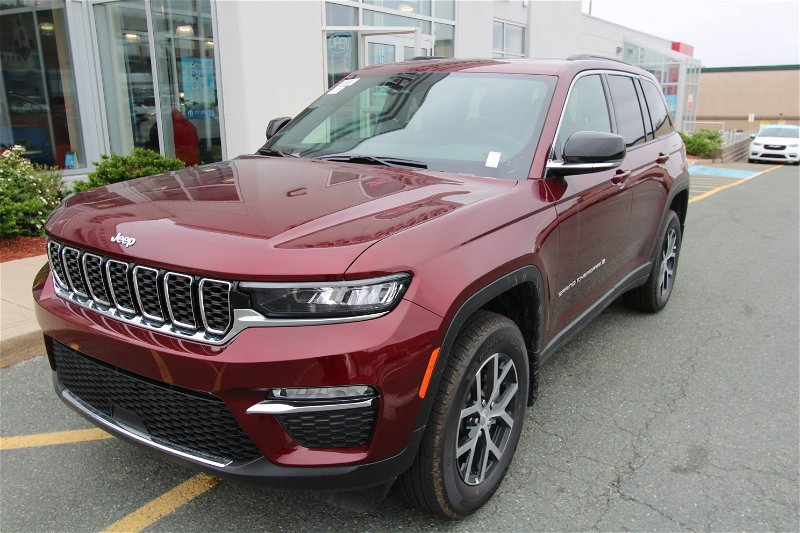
(21, 348)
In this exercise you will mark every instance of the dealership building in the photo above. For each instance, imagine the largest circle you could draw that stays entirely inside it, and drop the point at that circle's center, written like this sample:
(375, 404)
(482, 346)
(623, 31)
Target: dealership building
(200, 79)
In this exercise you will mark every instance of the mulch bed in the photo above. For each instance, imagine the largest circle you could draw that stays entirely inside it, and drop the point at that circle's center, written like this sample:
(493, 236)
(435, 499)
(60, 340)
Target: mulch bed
(20, 248)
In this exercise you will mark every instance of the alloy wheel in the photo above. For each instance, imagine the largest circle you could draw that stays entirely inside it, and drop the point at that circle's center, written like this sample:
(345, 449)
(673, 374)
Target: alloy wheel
(487, 418)
(668, 256)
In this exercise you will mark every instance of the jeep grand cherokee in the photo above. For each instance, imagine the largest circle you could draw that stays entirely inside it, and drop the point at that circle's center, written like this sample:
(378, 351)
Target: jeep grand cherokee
(369, 297)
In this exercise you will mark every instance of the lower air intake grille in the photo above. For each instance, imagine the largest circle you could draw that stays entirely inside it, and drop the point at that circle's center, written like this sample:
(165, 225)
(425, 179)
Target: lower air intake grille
(346, 428)
(173, 417)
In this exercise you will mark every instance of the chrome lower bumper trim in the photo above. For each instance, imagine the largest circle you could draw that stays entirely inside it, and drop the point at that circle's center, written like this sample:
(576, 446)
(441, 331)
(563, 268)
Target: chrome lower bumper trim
(108, 423)
(272, 407)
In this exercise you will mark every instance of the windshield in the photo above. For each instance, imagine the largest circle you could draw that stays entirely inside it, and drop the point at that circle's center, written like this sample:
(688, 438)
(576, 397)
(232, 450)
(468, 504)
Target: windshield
(478, 124)
(786, 133)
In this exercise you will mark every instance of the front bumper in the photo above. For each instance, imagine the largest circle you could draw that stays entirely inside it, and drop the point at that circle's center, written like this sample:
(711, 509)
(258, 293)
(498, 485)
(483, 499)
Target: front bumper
(788, 154)
(390, 353)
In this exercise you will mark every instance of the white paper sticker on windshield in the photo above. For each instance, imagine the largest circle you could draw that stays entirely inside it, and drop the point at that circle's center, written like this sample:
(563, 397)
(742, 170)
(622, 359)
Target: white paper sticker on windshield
(342, 84)
(493, 159)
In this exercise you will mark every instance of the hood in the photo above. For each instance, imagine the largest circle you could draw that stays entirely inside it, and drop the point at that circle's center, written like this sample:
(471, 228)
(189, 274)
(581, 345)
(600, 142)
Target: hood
(259, 217)
(782, 141)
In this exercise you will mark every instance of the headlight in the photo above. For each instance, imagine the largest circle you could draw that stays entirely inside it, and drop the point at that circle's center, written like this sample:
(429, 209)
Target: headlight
(756, 144)
(327, 299)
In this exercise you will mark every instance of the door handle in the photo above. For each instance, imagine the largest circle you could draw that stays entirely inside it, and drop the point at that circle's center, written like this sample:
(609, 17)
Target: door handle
(620, 176)
(662, 158)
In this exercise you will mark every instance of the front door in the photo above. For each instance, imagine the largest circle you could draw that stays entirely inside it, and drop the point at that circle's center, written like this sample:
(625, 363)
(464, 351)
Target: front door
(593, 210)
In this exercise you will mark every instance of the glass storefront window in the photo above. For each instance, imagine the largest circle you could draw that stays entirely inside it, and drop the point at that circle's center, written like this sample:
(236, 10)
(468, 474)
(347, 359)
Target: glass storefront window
(445, 40)
(374, 18)
(186, 78)
(38, 101)
(416, 7)
(187, 83)
(508, 40)
(444, 9)
(124, 47)
(342, 54)
(338, 15)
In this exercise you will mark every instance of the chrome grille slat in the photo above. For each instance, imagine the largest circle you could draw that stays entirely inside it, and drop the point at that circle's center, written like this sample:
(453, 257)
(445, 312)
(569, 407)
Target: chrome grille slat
(215, 305)
(145, 284)
(170, 302)
(72, 267)
(93, 274)
(56, 265)
(120, 285)
(180, 302)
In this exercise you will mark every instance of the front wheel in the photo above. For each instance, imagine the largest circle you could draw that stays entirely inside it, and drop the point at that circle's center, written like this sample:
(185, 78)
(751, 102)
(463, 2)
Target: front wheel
(655, 293)
(475, 421)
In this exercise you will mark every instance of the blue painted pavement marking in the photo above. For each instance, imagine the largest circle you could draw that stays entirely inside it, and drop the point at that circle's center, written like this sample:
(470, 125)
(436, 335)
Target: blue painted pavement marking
(697, 170)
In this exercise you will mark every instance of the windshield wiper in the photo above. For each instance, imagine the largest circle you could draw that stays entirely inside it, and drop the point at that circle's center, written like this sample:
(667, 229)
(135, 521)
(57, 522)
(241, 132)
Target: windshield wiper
(373, 160)
(272, 151)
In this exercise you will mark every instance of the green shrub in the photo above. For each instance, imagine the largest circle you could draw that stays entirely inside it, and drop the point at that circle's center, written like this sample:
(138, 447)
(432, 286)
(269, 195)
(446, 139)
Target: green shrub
(705, 144)
(28, 194)
(116, 168)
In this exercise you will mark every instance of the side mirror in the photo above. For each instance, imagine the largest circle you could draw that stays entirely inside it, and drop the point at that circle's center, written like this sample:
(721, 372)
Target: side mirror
(275, 125)
(589, 151)
(752, 135)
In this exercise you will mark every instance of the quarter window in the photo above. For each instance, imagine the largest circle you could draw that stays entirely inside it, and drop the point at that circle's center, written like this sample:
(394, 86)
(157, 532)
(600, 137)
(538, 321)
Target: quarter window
(586, 110)
(628, 111)
(658, 111)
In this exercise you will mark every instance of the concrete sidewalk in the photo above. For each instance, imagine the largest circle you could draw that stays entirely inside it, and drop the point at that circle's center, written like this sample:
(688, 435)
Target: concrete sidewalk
(20, 337)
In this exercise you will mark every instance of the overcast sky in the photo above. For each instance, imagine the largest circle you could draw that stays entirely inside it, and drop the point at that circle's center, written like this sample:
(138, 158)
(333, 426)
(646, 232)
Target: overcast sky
(723, 33)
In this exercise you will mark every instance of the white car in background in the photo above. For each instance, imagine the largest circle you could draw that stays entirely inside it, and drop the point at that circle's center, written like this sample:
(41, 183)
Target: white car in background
(776, 143)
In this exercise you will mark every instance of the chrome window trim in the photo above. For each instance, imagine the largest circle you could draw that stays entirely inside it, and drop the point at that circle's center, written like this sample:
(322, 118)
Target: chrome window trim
(203, 307)
(57, 279)
(85, 256)
(169, 304)
(145, 314)
(105, 422)
(127, 282)
(64, 250)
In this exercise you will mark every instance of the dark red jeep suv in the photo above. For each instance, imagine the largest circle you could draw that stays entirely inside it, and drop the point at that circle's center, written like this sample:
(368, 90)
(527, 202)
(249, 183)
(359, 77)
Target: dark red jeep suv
(367, 299)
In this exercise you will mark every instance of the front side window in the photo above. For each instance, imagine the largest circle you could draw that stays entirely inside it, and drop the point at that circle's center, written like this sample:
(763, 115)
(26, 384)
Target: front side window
(658, 111)
(628, 111)
(478, 124)
(586, 110)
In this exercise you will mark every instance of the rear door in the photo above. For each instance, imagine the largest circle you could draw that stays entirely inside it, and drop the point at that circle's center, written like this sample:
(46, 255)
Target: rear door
(593, 210)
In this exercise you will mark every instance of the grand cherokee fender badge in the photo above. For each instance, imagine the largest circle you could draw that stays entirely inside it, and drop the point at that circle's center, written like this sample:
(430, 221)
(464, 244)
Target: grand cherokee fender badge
(127, 242)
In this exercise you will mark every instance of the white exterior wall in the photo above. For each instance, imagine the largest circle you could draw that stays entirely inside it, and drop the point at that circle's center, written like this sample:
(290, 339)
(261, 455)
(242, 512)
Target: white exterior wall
(600, 37)
(511, 10)
(474, 29)
(554, 30)
(271, 61)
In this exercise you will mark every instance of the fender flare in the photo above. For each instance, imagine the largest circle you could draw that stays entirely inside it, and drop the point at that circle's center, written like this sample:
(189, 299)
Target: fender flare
(526, 274)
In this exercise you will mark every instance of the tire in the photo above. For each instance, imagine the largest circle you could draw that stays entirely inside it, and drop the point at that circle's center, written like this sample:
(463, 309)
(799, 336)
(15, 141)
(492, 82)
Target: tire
(442, 481)
(749, 160)
(655, 293)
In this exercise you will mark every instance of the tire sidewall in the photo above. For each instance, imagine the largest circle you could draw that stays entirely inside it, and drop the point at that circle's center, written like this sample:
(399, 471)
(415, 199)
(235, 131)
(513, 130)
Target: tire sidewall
(672, 223)
(467, 498)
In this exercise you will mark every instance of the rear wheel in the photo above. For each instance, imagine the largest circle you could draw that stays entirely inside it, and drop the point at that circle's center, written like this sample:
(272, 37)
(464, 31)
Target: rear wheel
(475, 422)
(655, 293)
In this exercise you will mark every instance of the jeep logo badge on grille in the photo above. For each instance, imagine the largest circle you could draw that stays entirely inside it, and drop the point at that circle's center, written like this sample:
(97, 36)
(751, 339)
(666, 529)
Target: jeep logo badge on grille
(127, 242)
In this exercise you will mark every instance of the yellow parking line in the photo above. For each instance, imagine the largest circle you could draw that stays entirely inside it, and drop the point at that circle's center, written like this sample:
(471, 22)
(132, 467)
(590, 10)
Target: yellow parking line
(49, 439)
(165, 504)
(728, 186)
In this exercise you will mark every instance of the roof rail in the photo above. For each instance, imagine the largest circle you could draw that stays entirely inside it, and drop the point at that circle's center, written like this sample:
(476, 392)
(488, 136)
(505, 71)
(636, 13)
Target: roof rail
(425, 58)
(594, 57)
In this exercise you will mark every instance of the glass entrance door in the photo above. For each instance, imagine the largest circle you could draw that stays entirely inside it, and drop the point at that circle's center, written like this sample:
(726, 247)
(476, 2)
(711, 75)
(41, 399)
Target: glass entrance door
(393, 48)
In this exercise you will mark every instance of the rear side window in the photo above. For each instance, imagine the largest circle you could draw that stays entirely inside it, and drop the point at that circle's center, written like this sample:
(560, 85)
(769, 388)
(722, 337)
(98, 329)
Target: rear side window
(586, 110)
(628, 111)
(658, 111)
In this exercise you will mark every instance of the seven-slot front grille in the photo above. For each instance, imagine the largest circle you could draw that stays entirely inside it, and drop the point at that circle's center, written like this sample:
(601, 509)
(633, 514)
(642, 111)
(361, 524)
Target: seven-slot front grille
(176, 418)
(182, 304)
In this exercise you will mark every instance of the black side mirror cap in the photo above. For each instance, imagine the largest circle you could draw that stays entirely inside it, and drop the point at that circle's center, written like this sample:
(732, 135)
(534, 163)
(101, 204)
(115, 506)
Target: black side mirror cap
(589, 151)
(275, 125)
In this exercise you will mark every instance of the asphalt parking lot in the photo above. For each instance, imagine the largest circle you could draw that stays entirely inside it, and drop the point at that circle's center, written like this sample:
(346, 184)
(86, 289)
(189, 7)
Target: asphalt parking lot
(685, 420)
